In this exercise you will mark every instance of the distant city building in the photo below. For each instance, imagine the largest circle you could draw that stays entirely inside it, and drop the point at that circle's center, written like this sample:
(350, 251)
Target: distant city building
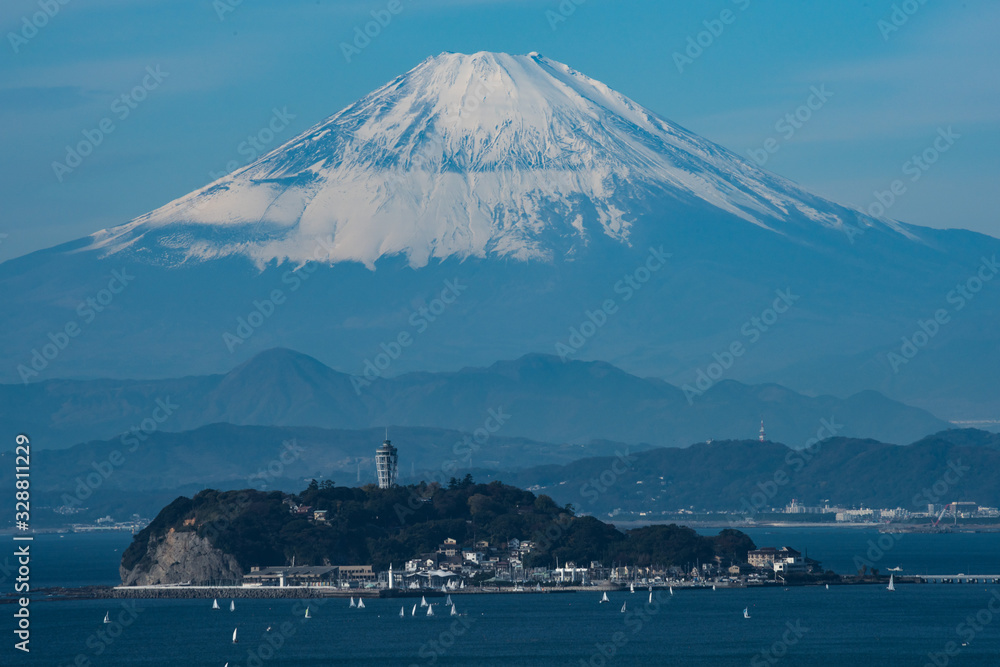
(795, 508)
(387, 465)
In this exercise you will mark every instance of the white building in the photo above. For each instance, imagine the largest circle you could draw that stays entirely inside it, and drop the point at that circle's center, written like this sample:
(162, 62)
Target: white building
(570, 572)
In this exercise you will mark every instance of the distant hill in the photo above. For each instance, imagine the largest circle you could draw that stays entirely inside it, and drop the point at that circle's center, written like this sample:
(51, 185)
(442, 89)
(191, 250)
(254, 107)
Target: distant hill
(127, 475)
(596, 477)
(731, 475)
(546, 399)
(216, 536)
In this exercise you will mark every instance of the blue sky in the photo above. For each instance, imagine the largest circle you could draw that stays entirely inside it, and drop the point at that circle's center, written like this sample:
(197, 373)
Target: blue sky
(222, 78)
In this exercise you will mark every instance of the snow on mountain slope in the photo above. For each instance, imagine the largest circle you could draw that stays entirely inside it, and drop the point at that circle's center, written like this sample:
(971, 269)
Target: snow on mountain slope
(467, 155)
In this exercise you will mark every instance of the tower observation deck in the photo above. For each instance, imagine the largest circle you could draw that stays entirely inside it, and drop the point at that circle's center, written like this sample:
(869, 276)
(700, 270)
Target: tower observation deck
(387, 465)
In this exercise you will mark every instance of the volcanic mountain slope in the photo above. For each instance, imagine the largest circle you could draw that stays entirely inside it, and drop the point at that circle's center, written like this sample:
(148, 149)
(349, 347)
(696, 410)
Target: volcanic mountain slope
(487, 206)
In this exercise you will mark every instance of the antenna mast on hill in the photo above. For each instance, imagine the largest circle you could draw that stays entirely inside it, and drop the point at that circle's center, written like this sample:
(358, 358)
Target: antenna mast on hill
(762, 437)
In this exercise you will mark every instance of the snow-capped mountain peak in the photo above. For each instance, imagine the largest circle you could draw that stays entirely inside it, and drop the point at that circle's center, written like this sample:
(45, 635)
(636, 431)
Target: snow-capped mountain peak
(487, 154)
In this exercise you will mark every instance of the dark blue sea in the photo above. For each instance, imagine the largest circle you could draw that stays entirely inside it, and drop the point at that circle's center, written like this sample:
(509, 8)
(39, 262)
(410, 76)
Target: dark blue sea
(849, 625)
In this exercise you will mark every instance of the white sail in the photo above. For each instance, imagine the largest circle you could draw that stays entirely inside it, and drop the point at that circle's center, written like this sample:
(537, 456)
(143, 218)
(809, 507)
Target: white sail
(631, 588)
(623, 606)
(444, 589)
(538, 587)
(215, 604)
(453, 611)
(890, 587)
(430, 610)
(604, 597)
(234, 636)
(650, 597)
(671, 590)
(403, 613)
(352, 602)
(423, 601)
(713, 587)
(448, 601)
(462, 585)
(307, 613)
(746, 612)
(232, 605)
(107, 617)
(828, 587)
(414, 612)
(361, 603)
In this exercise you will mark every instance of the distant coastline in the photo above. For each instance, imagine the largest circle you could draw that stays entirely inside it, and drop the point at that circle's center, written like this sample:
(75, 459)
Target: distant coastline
(901, 527)
(304, 592)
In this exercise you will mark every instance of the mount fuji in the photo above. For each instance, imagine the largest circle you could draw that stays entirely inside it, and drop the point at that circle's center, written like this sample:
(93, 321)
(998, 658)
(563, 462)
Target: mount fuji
(485, 206)
(488, 155)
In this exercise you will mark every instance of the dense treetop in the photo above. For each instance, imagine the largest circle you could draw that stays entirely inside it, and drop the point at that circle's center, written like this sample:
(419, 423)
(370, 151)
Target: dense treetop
(376, 526)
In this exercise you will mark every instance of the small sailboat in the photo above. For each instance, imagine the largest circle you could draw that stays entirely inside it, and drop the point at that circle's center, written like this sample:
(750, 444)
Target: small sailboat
(107, 617)
(414, 611)
(361, 603)
(890, 587)
(307, 613)
(444, 588)
(828, 585)
(462, 585)
(671, 590)
(632, 588)
(538, 587)
(353, 605)
(650, 596)
(232, 605)
(713, 587)
(454, 612)
(234, 636)
(215, 603)
(423, 601)
(604, 598)
(623, 606)
(746, 612)
(430, 610)
(402, 613)
(448, 601)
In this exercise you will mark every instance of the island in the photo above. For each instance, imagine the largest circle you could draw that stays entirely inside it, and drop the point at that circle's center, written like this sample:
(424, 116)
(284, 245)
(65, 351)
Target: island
(410, 537)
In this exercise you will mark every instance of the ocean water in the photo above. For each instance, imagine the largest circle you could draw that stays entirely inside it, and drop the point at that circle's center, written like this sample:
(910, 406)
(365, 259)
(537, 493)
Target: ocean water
(848, 625)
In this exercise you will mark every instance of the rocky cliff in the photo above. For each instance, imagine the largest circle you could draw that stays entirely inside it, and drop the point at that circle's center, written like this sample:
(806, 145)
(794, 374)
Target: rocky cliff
(180, 556)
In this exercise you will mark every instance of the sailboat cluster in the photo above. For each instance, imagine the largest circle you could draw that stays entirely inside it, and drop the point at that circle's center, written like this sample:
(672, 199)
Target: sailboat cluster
(430, 607)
